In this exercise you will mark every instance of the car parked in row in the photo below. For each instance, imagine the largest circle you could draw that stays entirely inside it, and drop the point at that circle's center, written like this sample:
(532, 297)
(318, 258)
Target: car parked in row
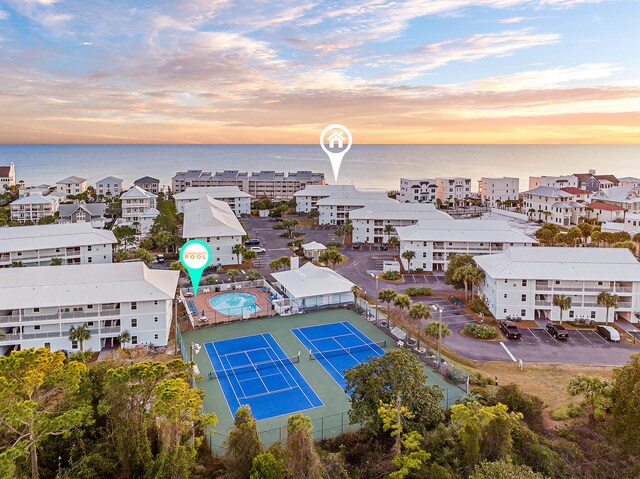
(510, 330)
(252, 242)
(608, 332)
(557, 331)
(258, 249)
(456, 302)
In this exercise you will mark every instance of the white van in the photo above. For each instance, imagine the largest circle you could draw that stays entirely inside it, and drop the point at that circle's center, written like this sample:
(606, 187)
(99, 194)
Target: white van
(609, 333)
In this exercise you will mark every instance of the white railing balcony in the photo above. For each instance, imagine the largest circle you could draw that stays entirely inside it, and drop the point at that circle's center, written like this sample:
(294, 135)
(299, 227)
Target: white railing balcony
(623, 289)
(111, 329)
(9, 338)
(59, 316)
(543, 302)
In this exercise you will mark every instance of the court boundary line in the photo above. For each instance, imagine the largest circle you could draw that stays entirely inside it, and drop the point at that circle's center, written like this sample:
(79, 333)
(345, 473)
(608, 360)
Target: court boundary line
(330, 363)
(215, 350)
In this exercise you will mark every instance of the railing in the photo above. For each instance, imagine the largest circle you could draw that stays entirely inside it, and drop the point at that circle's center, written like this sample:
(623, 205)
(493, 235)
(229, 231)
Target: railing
(541, 302)
(59, 316)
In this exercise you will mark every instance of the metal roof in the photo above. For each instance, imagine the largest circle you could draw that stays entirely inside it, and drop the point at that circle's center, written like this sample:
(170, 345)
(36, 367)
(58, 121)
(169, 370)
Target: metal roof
(471, 230)
(34, 199)
(548, 191)
(71, 180)
(578, 264)
(398, 211)
(208, 217)
(324, 190)
(135, 192)
(310, 280)
(109, 179)
(146, 179)
(94, 209)
(63, 235)
(51, 286)
(216, 192)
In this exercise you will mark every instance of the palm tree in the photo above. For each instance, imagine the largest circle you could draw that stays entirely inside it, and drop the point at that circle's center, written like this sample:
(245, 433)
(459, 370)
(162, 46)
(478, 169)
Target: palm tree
(402, 302)
(591, 387)
(233, 274)
(124, 337)
(80, 334)
(563, 302)
(357, 291)
(56, 262)
(387, 296)
(393, 242)
(418, 312)
(252, 275)
(248, 254)
(409, 255)
(331, 257)
(17, 264)
(388, 229)
(609, 301)
(237, 250)
(636, 240)
(276, 264)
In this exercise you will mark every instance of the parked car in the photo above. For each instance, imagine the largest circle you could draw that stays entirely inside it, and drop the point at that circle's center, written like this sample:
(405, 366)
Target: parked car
(252, 242)
(608, 332)
(258, 249)
(160, 258)
(384, 247)
(456, 302)
(557, 331)
(355, 245)
(510, 330)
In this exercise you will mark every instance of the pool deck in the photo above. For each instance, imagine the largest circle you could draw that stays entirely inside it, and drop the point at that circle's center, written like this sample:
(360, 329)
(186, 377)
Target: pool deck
(216, 317)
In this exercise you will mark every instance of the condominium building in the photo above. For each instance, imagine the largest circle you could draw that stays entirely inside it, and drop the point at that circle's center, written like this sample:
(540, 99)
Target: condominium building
(148, 183)
(376, 222)
(561, 206)
(73, 185)
(274, 185)
(335, 209)
(72, 243)
(7, 176)
(494, 191)
(239, 201)
(213, 222)
(135, 203)
(565, 181)
(626, 197)
(109, 187)
(523, 281)
(33, 207)
(38, 306)
(82, 212)
(592, 182)
(418, 190)
(434, 241)
(307, 199)
(451, 189)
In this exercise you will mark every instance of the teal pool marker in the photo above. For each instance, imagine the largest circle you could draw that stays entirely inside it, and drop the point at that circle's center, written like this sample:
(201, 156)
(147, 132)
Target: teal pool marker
(195, 256)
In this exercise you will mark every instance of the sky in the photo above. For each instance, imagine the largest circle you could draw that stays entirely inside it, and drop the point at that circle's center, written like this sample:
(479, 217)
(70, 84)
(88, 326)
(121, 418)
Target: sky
(243, 71)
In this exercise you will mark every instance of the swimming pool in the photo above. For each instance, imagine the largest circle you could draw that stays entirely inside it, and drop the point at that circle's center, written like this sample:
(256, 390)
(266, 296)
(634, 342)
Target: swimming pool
(233, 304)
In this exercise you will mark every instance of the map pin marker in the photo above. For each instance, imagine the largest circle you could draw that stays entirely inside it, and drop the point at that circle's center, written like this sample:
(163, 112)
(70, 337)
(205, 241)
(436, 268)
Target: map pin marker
(195, 256)
(336, 136)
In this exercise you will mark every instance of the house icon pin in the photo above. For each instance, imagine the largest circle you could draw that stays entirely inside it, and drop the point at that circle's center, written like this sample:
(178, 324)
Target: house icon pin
(336, 136)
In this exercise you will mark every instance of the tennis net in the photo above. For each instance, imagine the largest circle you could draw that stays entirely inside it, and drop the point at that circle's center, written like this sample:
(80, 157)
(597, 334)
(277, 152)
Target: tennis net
(350, 350)
(249, 368)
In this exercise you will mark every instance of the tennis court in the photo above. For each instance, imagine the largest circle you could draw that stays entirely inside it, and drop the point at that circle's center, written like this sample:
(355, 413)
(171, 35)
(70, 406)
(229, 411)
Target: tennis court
(338, 347)
(254, 370)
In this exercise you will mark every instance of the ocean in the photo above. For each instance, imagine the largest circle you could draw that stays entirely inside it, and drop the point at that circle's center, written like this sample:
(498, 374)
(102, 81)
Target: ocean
(366, 166)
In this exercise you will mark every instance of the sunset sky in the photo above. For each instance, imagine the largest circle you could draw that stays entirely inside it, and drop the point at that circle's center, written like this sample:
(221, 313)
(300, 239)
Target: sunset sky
(225, 71)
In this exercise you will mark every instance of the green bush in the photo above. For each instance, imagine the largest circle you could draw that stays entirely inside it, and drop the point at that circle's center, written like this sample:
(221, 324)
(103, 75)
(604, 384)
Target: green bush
(415, 291)
(477, 305)
(517, 400)
(391, 275)
(480, 331)
(590, 325)
(564, 413)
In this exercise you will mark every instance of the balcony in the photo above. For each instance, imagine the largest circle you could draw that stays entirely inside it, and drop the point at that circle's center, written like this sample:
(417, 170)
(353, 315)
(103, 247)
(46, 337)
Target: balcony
(543, 302)
(59, 316)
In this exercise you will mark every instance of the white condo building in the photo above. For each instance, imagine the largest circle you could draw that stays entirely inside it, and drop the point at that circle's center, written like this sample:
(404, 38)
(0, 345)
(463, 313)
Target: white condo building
(7, 176)
(453, 188)
(109, 187)
(370, 224)
(307, 199)
(34, 206)
(73, 243)
(335, 209)
(433, 241)
(566, 181)
(493, 190)
(39, 305)
(561, 206)
(523, 281)
(137, 204)
(213, 222)
(239, 201)
(417, 190)
(73, 185)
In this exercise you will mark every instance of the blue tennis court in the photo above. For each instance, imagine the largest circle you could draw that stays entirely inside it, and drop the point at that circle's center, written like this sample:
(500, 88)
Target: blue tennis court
(338, 347)
(254, 370)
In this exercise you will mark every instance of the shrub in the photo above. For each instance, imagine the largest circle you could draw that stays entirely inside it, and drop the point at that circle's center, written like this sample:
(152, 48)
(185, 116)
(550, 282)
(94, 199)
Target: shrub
(418, 291)
(564, 413)
(517, 400)
(278, 226)
(391, 275)
(477, 305)
(590, 324)
(480, 331)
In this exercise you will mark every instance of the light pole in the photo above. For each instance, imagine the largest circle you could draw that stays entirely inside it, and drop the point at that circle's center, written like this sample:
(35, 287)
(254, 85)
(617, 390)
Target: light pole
(194, 349)
(437, 307)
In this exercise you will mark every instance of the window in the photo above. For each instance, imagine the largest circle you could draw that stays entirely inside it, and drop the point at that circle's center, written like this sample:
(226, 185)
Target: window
(36, 310)
(599, 283)
(523, 312)
(36, 327)
(504, 311)
(571, 314)
(134, 339)
(524, 297)
(593, 315)
(47, 345)
(134, 306)
(505, 281)
(155, 319)
(74, 344)
(524, 282)
(505, 295)
(88, 247)
(89, 259)
(557, 282)
(155, 303)
(155, 336)
(134, 322)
